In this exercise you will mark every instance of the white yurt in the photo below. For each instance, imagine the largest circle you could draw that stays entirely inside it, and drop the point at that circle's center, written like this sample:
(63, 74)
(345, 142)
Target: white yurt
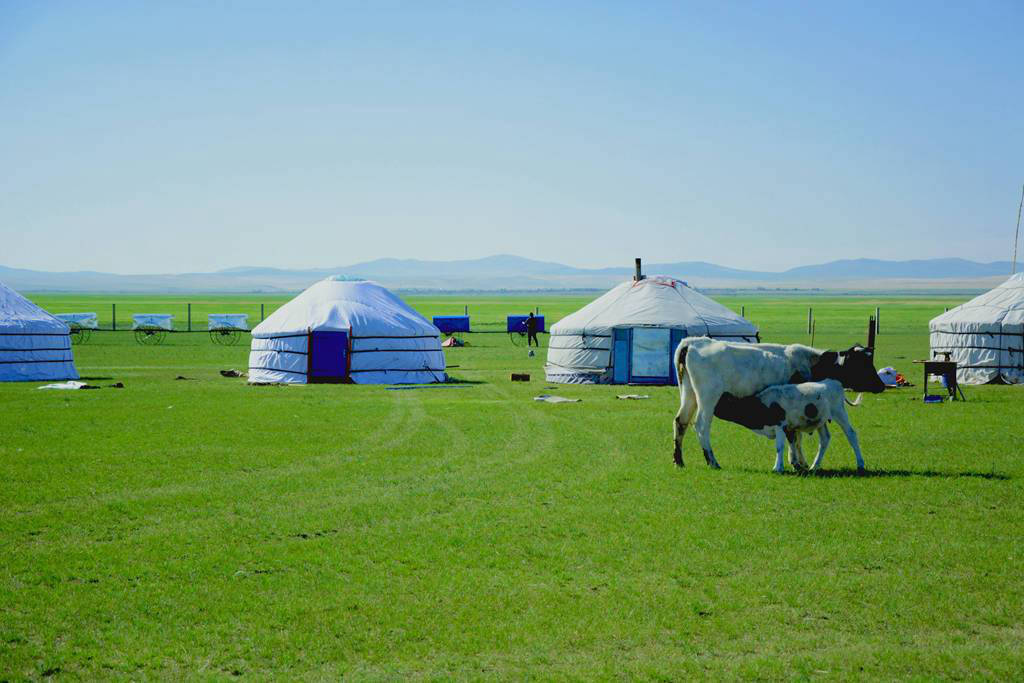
(346, 331)
(985, 336)
(628, 335)
(34, 346)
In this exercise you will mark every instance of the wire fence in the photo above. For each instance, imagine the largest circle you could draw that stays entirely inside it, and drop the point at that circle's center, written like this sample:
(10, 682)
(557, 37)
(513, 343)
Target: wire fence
(813, 325)
(194, 316)
(187, 316)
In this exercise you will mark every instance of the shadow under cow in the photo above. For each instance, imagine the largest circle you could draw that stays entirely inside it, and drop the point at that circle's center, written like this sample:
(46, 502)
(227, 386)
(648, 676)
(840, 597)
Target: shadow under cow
(883, 473)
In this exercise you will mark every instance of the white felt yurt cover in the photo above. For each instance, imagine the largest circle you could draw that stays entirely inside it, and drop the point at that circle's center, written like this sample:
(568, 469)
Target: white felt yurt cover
(985, 336)
(579, 349)
(34, 345)
(389, 342)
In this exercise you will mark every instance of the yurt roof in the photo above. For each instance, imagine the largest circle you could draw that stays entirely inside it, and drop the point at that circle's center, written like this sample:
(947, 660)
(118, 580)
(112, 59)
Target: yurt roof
(1004, 305)
(18, 314)
(338, 305)
(657, 301)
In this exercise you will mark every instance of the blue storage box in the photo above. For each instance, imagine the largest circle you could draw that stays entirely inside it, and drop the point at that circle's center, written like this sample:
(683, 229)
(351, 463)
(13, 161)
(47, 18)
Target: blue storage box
(451, 323)
(517, 323)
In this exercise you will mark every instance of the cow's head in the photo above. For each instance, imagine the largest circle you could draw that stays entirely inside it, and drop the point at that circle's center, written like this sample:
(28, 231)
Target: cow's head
(853, 368)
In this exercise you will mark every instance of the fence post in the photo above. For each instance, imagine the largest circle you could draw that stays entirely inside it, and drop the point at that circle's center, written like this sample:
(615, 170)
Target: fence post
(810, 319)
(113, 317)
(878, 327)
(465, 310)
(261, 312)
(189, 317)
(743, 311)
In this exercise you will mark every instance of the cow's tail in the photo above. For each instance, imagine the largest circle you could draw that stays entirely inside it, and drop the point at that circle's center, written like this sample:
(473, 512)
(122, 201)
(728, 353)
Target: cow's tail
(855, 402)
(680, 362)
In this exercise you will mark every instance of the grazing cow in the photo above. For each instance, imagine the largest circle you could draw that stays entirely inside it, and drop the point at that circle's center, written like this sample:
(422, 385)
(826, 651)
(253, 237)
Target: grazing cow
(708, 369)
(785, 411)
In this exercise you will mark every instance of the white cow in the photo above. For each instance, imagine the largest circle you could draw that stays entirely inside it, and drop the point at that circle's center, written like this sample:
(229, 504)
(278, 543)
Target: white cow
(786, 411)
(709, 369)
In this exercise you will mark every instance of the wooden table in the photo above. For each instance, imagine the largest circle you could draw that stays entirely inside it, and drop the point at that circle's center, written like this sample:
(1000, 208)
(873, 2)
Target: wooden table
(946, 368)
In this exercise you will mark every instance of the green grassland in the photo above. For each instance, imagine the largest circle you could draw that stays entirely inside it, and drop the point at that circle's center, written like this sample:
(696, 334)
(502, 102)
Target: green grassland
(203, 528)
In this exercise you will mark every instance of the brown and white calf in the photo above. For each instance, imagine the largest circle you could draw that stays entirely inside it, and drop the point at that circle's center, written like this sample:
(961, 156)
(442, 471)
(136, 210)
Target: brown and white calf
(708, 369)
(786, 412)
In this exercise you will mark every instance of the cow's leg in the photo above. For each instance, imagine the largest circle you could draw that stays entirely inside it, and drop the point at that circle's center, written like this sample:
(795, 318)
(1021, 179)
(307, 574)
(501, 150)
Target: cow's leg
(793, 437)
(706, 411)
(800, 451)
(780, 446)
(851, 436)
(823, 438)
(687, 406)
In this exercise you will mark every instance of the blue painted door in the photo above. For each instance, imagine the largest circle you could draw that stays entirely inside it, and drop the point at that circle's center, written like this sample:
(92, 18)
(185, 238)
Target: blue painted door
(650, 359)
(329, 356)
(620, 357)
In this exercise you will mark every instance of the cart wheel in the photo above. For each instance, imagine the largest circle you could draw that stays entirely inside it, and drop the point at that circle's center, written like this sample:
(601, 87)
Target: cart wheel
(79, 334)
(517, 338)
(225, 337)
(150, 336)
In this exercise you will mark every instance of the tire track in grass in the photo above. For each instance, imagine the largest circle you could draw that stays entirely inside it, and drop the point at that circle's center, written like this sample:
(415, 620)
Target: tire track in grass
(398, 424)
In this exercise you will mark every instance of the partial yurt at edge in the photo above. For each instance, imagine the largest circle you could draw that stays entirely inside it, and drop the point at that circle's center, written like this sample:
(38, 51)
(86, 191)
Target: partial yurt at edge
(985, 336)
(346, 331)
(34, 345)
(628, 335)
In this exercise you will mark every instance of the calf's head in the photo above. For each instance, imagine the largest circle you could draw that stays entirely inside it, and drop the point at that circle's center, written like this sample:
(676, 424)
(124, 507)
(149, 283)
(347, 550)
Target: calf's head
(853, 368)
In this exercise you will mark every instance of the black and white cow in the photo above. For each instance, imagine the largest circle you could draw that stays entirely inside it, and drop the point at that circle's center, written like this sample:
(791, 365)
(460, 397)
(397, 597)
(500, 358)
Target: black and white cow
(786, 411)
(708, 369)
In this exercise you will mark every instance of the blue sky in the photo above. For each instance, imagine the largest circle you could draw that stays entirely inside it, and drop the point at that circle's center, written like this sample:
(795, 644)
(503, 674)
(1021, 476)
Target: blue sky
(192, 136)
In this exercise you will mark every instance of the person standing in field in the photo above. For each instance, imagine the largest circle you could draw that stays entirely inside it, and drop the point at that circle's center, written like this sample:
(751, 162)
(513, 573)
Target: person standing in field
(531, 330)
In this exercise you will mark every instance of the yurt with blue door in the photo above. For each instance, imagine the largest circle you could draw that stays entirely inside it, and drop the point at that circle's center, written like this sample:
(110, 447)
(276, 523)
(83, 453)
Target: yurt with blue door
(34, 345)
(346, 331)
(628, 335)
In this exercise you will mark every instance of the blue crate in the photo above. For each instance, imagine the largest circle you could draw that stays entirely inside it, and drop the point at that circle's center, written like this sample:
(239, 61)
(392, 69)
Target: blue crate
(517, 323)
(449, 324)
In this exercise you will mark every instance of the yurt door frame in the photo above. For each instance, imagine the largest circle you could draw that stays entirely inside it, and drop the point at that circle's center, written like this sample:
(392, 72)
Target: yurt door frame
(328, 357)
(626, 366)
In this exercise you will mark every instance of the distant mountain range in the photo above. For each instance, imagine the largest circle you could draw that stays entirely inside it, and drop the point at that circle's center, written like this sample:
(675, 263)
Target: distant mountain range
(505, 272)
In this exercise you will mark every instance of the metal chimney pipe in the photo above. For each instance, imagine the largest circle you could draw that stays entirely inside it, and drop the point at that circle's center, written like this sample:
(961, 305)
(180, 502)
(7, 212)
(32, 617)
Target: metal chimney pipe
(639, 275)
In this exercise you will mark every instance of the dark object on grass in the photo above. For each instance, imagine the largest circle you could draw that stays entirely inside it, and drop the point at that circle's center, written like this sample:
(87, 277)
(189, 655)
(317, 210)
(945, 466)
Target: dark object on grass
(231, 373)
(932, 398)
(183, 377)
(519, 377)
(116, 385)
